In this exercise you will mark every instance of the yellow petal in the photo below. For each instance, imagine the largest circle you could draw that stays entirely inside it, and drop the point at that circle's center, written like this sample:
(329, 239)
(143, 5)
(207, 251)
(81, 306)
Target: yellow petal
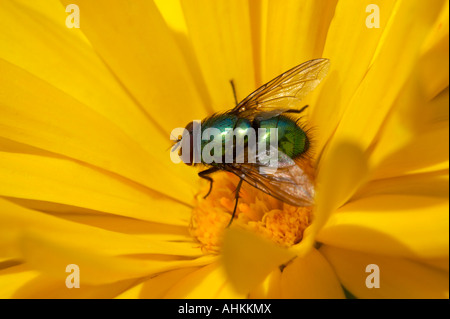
(220, 34)
(22, 283)
(395, 225)
(439, 263)
(150, 231)
(306, 277)
(49, 244)
(60, 124)
(156, 287)
(248, 258)
(36, 39)
(47, 255)
(310, 276)
(399, 278)
(415, 137)
(18, 221)
(350, 46)
(13, 278)
(144, 57)
(435, 76)
(435, 184)
(207, 282)
(340, 175)
(387, 76)
(173, 14)
(295, 32)
(67, 182)
(270, 288)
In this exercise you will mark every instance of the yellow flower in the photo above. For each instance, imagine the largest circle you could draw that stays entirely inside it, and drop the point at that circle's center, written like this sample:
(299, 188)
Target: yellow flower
(85, 119)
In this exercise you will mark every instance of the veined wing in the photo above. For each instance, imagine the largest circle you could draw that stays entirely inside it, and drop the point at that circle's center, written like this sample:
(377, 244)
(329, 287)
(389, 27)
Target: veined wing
(289, 183)
(278, 95)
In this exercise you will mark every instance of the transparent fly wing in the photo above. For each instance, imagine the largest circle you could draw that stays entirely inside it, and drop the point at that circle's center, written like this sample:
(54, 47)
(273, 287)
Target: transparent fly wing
(283, 92)
(286, 182)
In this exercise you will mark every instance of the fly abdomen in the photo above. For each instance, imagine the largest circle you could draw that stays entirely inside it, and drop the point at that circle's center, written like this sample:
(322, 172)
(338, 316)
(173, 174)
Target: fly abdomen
(292, 139)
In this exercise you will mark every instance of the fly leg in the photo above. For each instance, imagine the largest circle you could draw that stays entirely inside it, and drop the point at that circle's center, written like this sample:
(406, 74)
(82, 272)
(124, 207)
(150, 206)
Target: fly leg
(204, 174)
(237, 199)
(296, 111)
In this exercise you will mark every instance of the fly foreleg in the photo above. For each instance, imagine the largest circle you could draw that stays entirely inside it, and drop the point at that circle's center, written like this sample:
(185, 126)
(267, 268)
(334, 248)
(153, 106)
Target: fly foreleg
(204, 174)
(237, 199)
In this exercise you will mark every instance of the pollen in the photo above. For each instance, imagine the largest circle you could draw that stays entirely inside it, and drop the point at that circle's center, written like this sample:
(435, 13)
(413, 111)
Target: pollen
(256, 211)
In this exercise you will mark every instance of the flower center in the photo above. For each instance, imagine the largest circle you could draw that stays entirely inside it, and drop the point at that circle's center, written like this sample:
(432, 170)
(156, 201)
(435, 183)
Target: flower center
(257, 211)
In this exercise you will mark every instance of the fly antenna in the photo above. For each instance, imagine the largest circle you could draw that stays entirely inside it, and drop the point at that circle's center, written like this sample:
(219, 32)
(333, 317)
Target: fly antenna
(234, 91)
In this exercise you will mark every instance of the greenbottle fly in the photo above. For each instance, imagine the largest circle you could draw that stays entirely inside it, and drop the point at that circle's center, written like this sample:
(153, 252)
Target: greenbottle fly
(273, 105)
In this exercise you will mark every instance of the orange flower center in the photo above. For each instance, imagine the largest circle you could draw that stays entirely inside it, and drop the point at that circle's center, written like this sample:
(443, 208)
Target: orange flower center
(282, 223)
